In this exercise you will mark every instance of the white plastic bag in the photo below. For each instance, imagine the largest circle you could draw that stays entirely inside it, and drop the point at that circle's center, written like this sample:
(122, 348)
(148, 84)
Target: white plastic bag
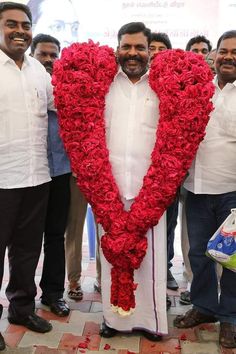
(222, 245)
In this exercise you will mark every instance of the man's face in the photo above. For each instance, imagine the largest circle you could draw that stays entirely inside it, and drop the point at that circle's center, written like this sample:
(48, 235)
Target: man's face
(15, 33)
(133, 55)
(156, 47)
(46, 53)
(226, 61)
(200, 48)
(60, 20)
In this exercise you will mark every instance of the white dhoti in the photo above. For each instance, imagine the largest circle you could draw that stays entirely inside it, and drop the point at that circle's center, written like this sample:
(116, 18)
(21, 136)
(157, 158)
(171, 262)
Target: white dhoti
(150, 312)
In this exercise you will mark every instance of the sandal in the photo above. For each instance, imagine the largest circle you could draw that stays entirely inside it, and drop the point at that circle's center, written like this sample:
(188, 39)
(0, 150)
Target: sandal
(75, 292)
(185, 298)
(227, 335)
(192, 318)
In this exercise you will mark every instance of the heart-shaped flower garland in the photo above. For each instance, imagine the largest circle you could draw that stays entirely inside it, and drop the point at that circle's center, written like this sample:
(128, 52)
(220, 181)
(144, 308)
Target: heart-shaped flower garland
(182, 81)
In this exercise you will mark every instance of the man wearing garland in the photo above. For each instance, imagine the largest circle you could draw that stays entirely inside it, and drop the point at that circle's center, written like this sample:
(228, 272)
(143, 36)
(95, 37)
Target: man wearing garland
(211, 186)
(131, 117)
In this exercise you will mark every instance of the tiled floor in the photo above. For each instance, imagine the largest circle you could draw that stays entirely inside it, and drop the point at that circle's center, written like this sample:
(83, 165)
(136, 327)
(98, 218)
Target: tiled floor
(79, 332)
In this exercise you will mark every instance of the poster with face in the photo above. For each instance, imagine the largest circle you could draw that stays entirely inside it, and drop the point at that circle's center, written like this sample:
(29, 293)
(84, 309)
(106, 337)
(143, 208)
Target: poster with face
(59, 19)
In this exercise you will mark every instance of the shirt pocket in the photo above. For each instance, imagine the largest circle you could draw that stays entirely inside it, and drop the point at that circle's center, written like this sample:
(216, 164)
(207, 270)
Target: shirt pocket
(40, 103)
(150, 114)
(227, 123)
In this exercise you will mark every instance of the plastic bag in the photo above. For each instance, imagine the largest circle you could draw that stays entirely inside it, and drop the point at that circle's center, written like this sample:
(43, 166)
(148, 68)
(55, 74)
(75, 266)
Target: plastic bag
(222, 245)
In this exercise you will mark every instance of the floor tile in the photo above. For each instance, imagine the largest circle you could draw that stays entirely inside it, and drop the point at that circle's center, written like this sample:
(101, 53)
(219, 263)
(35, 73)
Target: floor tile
(91, 328)
(182, 334)
(46, 350)
(13, 339)
(207, 336)
(122, 342)
(77, 316)
(29, 350)
(51, 339)
(4, 324)
(16, 329)
(102, 352)
(166, 345)
(199, 348)
(61, 327)
(94, 341)
(83, 306)
(72, 342)
(96, 307)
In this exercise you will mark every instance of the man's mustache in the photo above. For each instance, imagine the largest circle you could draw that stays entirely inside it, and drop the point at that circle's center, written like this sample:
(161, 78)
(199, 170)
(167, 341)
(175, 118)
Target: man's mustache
(48, 64)
(135, 57)
(18, 35)
(229, 62)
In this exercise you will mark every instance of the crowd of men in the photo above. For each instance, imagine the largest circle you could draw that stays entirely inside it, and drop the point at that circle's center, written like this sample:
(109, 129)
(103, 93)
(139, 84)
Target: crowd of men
(39, 199)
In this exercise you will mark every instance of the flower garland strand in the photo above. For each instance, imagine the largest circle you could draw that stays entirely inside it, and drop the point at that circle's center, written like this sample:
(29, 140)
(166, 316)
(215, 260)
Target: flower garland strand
(182, 81)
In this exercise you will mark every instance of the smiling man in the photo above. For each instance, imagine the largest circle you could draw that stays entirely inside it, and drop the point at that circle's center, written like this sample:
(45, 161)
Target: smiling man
(131, 120)
(211, 186)
(25, 96)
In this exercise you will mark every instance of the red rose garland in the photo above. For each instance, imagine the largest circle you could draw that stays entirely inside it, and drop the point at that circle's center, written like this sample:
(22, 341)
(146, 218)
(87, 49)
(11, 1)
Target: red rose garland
(182, 81)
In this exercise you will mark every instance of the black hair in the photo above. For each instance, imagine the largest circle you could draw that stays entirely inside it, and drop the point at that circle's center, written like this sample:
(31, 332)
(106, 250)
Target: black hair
(198, 39)
(161, 37)
(134, 27)
(8, 5)
(43, 38)
(226, 35)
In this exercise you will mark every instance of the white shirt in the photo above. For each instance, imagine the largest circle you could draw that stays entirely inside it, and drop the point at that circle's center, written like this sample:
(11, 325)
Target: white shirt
(131, 121)
(25, 96)
(214, 168)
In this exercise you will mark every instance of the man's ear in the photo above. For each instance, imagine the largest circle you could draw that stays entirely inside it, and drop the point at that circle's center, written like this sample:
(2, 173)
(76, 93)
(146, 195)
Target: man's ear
(117, 54)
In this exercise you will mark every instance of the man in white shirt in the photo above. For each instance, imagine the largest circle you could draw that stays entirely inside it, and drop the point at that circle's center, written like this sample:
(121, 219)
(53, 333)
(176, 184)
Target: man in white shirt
(131, 121)
(25, 96)
(211, 186)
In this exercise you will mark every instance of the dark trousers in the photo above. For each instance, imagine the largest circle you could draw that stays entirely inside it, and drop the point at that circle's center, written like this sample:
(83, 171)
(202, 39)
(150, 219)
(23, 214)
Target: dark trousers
(53, 274)
(172, 216)
(205, 213)
(22, 216)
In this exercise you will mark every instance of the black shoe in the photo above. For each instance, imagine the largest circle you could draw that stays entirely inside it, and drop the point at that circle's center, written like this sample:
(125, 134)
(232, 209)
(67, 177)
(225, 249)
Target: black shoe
(168, 302)
(32, 322)
(59, 307)
(171, 282)
(107, 332)
(152, 336)
(2, 343)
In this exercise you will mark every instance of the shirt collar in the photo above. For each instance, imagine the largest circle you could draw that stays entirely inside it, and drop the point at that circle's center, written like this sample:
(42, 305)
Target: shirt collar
(5, 58)
(120, 72)
(216, 82)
